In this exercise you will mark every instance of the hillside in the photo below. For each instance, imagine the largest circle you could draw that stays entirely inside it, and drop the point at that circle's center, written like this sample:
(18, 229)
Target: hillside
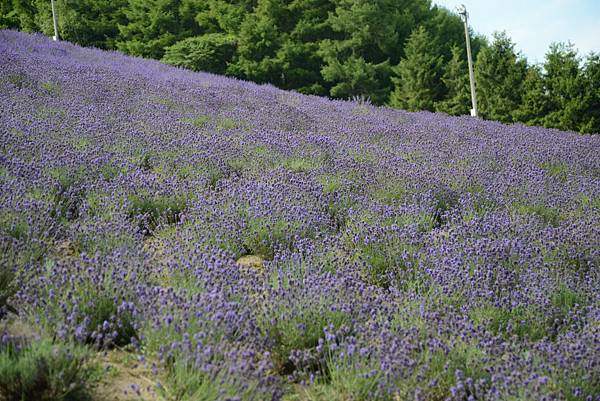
(238, 241)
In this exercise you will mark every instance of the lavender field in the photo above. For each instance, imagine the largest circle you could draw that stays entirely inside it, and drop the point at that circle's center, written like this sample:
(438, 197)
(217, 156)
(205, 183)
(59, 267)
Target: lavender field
(170, 235)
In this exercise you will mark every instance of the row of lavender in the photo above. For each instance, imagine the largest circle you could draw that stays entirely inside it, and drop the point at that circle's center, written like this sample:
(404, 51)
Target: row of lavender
(406, 255)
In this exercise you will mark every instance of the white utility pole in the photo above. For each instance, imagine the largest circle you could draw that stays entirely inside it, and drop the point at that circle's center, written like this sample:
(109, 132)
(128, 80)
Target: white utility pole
(462, 11)
(55, 21)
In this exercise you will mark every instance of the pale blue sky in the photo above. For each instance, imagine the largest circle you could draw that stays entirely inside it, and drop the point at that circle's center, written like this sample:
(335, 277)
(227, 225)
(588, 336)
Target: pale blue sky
(534, 24)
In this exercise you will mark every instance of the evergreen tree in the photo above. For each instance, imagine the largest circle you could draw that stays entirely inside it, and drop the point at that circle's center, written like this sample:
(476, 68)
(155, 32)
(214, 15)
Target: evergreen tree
(298, 55)
(565, 84)
(591, 123)
(211, 53)
(278, 43)
(91, 22)
(446, 30)
(154, 25)
(220, 16)
(258, 43)
(500, 73)
(456, 81)
(26, 11)
(417, 81)
(535, 102)
(357, 77)
(365, 42)
(9, 18)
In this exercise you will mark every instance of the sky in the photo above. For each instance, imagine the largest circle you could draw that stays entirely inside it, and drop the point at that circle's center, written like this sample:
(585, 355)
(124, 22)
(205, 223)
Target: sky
(534, 24)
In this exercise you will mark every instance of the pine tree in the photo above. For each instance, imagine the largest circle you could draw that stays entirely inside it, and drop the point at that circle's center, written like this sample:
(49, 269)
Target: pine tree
(9, 18)
(417, 81)
(591, 121)
(258, 43)
(565, 84)
(278, 43)
(456, 81)
(366, 41)
(152, 26)
(219, 16)
(298, 55)
(91, 22)
(211, 53)
(357, 77)
(535, 102)
(26, 11)
(500, 73)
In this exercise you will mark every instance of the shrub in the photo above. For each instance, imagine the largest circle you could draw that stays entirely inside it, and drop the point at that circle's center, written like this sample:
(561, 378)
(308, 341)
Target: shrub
(393, 192)
(44, 371)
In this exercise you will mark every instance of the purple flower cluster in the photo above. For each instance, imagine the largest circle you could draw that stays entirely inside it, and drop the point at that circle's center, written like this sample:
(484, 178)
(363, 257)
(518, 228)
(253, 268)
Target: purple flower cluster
(404, 255)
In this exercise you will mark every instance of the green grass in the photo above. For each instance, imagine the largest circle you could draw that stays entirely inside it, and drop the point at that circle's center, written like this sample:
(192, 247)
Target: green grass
(559, 170)
(385, 261)
(46, 371)
(442, 367)
(349, 378)
(589, 202)
(388, 259)
(46, 112)
(152, 210)
(198, 121)
(549, 215)
(262, 235)
(301, 164)
(522, 321)
(19, 80)
(186, 383)
(51, 88)
(392, 193)
(566, 299)
(580, 379)
(331, 183)
(228, 124)
(290, 330)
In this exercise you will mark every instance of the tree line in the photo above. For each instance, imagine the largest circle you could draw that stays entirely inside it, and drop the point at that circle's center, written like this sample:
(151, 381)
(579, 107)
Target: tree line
(404, 53)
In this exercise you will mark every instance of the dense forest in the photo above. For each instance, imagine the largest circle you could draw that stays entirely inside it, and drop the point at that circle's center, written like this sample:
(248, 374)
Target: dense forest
(404, 53)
